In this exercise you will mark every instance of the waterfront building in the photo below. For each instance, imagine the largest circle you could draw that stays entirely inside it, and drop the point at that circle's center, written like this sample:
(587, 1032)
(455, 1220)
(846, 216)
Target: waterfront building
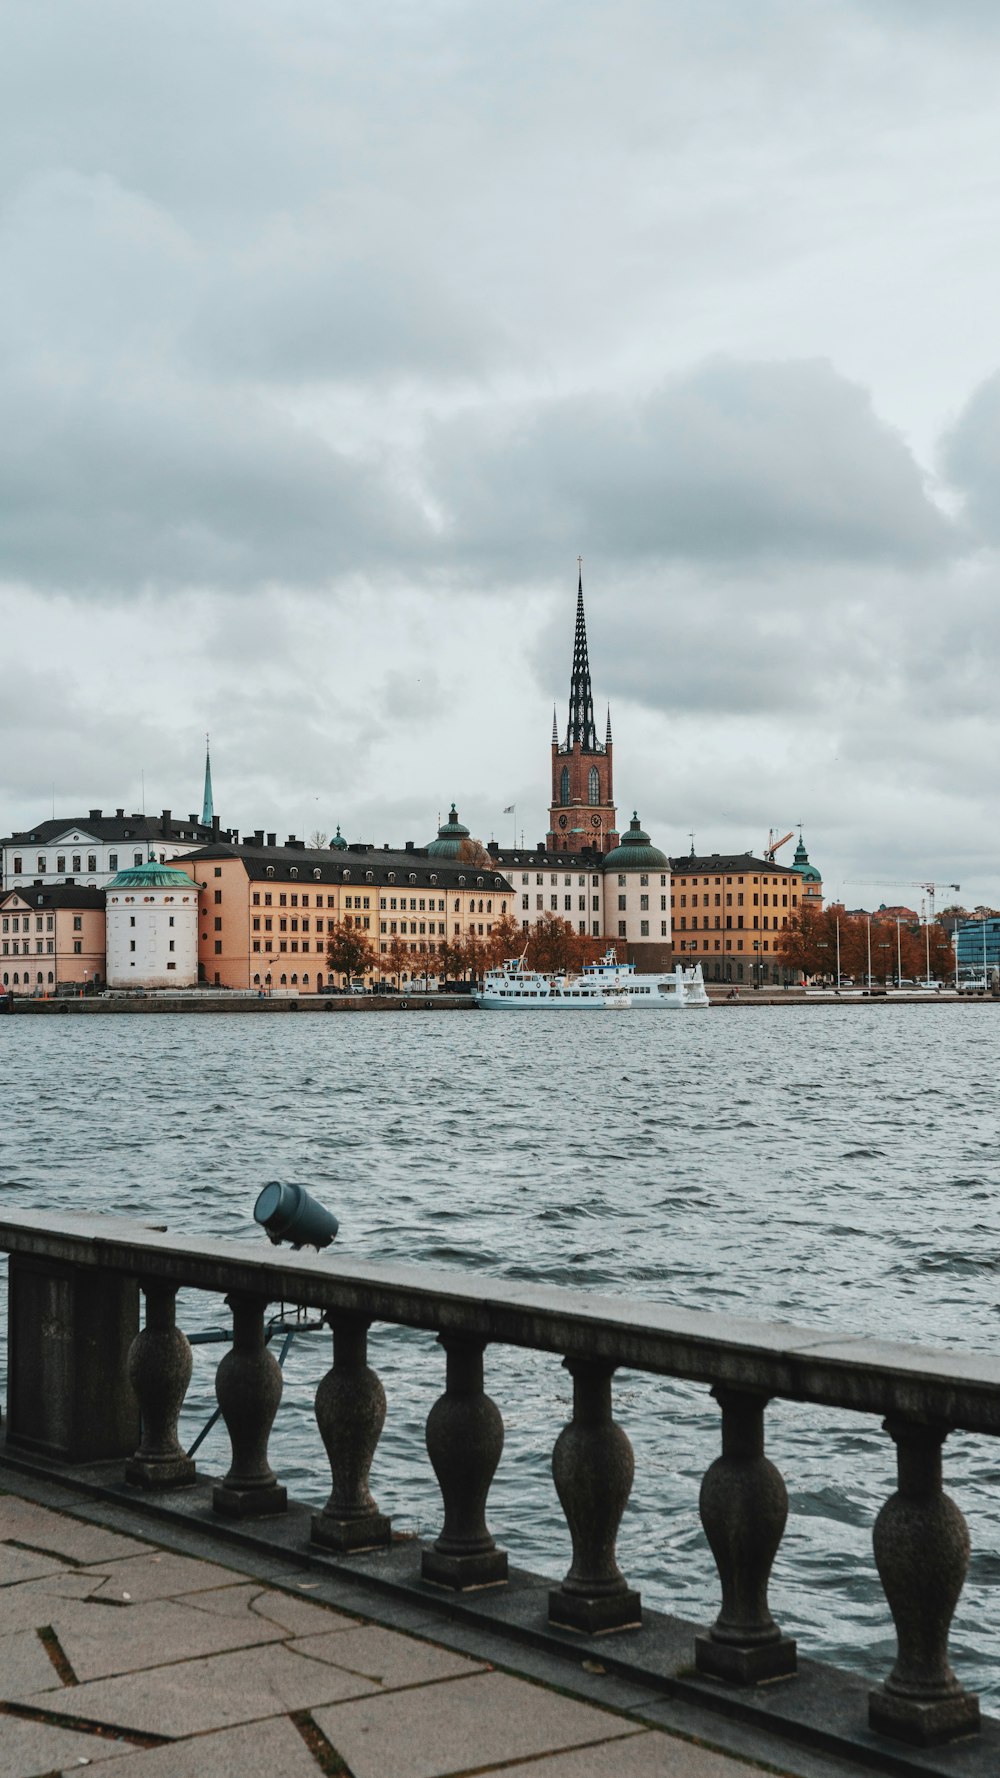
(91, 849)
(637, 899)
(51, 936)
(564, 883)
(152, 928)
(811, 891)
(977, 948)
(728, 911)
(265, 911)
(582, 811)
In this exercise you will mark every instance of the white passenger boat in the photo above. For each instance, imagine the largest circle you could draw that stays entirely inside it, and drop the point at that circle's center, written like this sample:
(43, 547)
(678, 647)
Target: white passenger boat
(605, 986)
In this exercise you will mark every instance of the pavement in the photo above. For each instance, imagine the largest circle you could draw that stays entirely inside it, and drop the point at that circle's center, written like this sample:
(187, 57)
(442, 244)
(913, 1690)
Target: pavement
(121, 1652)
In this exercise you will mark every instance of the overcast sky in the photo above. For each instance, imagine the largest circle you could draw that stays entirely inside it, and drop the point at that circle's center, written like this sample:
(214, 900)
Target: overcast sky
(330, 337)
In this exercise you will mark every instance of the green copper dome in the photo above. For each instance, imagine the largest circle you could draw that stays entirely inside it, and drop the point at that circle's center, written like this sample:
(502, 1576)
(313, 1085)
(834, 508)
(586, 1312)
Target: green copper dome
(151, 876)
(450, 838)
(635, 851)
(338, 843)
(800, 862)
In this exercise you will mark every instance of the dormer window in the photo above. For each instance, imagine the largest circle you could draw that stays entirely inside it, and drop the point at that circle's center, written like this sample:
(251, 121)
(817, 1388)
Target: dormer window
(461, 882)
(479, 882)
(392, 876)
(433, 876)
(294, 871)
(270, 870)
(318, 874)
(346, 876)
(413, 876)
(369, 876)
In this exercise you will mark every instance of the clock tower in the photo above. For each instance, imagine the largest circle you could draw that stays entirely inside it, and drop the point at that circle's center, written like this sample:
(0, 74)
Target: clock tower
(582, 814)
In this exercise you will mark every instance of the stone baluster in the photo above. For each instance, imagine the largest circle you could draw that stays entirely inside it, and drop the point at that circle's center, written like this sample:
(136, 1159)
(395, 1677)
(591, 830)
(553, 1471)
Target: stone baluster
(922, 1553)
(744, 1506)
(350, 1412)
(464, 1442)
(159, 1370)
(593, 1466)
(248, 1386)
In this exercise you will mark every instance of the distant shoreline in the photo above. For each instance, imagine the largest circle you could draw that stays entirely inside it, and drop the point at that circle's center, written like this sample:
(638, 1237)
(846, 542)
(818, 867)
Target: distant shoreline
(98, 1006)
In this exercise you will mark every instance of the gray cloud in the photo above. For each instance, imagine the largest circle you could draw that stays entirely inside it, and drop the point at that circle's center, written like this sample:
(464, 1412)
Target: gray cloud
(729, 462)
(971, 458)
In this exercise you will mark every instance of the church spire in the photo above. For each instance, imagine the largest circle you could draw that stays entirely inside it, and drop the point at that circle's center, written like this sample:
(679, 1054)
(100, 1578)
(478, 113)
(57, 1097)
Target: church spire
(581, 698)
(607, 738)
(555, 728)
(207, 806)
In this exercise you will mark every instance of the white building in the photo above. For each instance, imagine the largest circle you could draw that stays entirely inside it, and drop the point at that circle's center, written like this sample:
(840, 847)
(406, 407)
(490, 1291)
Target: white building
(152, 928)
(89, 850)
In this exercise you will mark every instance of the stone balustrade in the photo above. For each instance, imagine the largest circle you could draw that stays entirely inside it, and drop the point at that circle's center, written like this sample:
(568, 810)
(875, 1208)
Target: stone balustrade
(87, 1383)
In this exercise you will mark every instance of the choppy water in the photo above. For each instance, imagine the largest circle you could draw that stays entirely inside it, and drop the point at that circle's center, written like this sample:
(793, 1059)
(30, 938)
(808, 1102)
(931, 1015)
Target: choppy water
(834, 1166)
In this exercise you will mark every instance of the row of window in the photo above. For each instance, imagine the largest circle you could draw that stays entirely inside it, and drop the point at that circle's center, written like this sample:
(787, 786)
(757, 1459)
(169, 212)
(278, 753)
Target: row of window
(692, 945)
(763, 920)
(593, 787)
(42, 865)
(739, 901)
(12, 922)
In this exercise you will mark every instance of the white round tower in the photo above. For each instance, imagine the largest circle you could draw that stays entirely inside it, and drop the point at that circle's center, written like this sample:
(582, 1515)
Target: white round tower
(152, 928)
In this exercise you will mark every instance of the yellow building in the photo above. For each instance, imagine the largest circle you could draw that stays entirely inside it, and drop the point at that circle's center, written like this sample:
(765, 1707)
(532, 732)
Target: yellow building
(728, 912)
(266, 911)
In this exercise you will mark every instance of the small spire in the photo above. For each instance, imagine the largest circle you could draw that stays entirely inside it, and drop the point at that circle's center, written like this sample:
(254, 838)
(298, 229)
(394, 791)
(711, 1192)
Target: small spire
(607, 738)
(555, 728)
(207, 806)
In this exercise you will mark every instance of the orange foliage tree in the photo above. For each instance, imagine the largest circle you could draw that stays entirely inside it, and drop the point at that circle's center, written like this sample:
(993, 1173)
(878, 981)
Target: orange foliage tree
(349, 952)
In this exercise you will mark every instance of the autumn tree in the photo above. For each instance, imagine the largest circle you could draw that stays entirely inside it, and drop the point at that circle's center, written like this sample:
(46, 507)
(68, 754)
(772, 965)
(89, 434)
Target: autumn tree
(553, 945)
(451, 958)
(507, 939)
(473, 852)
(349, 952)
(397, 958)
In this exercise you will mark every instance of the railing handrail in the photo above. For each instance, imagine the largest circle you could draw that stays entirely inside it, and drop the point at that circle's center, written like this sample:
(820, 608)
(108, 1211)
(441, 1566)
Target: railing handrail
(775, 1359)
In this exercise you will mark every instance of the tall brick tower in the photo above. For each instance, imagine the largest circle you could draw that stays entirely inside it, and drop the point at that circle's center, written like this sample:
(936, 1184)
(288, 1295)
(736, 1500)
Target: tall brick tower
(582, 815)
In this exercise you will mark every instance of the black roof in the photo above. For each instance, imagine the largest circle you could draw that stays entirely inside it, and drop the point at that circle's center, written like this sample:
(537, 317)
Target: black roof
(55, 895)
(119, 826)
(353, 864)
(728, 864)
(533, 858)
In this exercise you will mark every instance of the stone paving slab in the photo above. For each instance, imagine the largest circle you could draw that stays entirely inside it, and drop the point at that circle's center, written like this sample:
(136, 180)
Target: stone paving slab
(189, 1697)
(37, 1749)
(76, 1539)
(158, 1574)
(17, 1565)
(461, 1725)
(102, 1640)
(24, 1666)
(272, 1749)
(33, 1603)
(298, 1617)
(385, 1656)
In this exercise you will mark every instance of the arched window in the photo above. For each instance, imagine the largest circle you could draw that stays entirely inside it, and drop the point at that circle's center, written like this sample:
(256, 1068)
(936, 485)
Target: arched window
(594, 786)
(564, 787)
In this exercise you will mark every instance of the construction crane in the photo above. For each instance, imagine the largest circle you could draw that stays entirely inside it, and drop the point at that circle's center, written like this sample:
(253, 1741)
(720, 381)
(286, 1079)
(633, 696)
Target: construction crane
(774, 844)
(930, 889)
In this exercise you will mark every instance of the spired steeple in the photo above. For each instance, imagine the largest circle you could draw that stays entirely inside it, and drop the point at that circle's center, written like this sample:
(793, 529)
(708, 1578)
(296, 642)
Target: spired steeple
(581, 730)
(582, 811)
(207, 805)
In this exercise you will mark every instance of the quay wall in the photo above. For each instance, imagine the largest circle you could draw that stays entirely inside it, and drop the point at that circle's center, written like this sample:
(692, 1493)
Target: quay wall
(234, 1003)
